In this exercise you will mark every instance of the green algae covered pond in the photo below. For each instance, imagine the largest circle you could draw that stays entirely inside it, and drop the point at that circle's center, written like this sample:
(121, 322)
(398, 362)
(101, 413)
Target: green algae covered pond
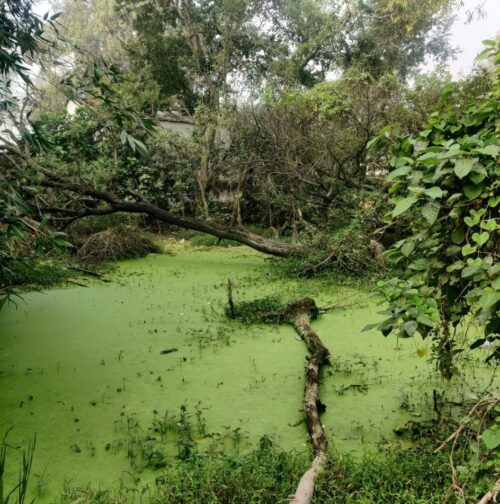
(82, 369)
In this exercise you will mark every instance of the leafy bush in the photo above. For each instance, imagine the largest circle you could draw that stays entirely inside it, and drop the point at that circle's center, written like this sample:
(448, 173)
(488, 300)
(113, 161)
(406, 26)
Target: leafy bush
(22, 239)
(206, 240)
(446, 183)
(346, 253)
(120, 242)
(38, 274)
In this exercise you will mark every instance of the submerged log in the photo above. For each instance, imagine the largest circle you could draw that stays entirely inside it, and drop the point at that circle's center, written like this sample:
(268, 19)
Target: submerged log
(299, 315)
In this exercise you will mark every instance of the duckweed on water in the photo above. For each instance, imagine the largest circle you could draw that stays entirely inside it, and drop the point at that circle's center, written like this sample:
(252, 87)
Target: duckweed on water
(76, 363)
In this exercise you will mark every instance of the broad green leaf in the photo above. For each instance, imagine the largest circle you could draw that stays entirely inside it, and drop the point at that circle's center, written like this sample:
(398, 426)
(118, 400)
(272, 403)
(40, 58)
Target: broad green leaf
(458, 235)
(410, 327)
(489, 225)
(472, 191)
(490, 150)
(457, 265)
(464, 166)
(452, 250)
(434, 192)
(477, 262)
(454, 151)
(481, 238)
(428, 155)
(431, 211)
(403, 205)
(399, 172)
(407, 248)
(131, 141)
(422, 319)
(491, 438)
(469, 271)
(478, 213)
(468, 249)
(489, 298)
(140, 146)
(477, 178)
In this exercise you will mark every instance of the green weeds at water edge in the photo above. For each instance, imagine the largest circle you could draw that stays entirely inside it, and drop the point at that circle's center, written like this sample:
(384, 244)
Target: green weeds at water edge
(269, 475)
(20, 489)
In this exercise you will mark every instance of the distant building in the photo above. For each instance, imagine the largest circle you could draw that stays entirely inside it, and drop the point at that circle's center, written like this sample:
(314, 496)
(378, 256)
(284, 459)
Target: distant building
(170, 120)
(176, 122)
(184, 126)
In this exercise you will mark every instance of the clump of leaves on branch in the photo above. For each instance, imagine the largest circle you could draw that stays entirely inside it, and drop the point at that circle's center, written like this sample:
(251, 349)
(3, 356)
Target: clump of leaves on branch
(23, 42)
(446, 184)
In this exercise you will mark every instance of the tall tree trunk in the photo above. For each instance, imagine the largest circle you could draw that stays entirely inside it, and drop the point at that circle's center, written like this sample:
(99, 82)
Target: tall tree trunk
(203, 175)
(236, 219)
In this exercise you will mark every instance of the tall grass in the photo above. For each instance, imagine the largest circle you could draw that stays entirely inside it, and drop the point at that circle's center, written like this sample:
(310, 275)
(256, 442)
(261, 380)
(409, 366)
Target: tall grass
(21, 488)
(268, 475)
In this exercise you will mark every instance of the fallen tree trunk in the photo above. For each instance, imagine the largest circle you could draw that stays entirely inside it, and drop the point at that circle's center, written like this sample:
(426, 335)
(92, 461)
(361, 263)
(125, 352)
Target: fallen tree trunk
(299, 315)
(117, 204)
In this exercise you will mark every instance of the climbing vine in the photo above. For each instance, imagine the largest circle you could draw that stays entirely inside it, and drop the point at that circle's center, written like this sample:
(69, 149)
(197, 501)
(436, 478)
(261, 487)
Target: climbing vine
(445, 184)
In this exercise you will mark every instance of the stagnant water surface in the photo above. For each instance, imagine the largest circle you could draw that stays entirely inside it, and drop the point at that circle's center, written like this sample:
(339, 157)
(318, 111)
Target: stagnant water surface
(81, 368)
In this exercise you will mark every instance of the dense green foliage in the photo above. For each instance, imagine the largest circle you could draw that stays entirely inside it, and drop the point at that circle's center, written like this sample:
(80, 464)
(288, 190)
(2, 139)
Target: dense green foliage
(446, 181)
(264, 310)
(267, 476)
(270, 144)
(22, 38)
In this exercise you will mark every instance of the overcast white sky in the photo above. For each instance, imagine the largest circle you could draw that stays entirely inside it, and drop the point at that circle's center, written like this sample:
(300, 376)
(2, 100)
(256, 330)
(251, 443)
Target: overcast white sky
(467, 37)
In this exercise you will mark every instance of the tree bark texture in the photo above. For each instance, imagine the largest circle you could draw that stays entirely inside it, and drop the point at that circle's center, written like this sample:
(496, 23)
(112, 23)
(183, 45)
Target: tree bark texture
(299, 315)
(203, 175)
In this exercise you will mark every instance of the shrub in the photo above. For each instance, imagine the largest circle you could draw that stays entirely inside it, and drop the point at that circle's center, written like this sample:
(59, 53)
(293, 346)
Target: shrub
(120, 242)
(32, 273)
(346, 253)
(206, 240)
